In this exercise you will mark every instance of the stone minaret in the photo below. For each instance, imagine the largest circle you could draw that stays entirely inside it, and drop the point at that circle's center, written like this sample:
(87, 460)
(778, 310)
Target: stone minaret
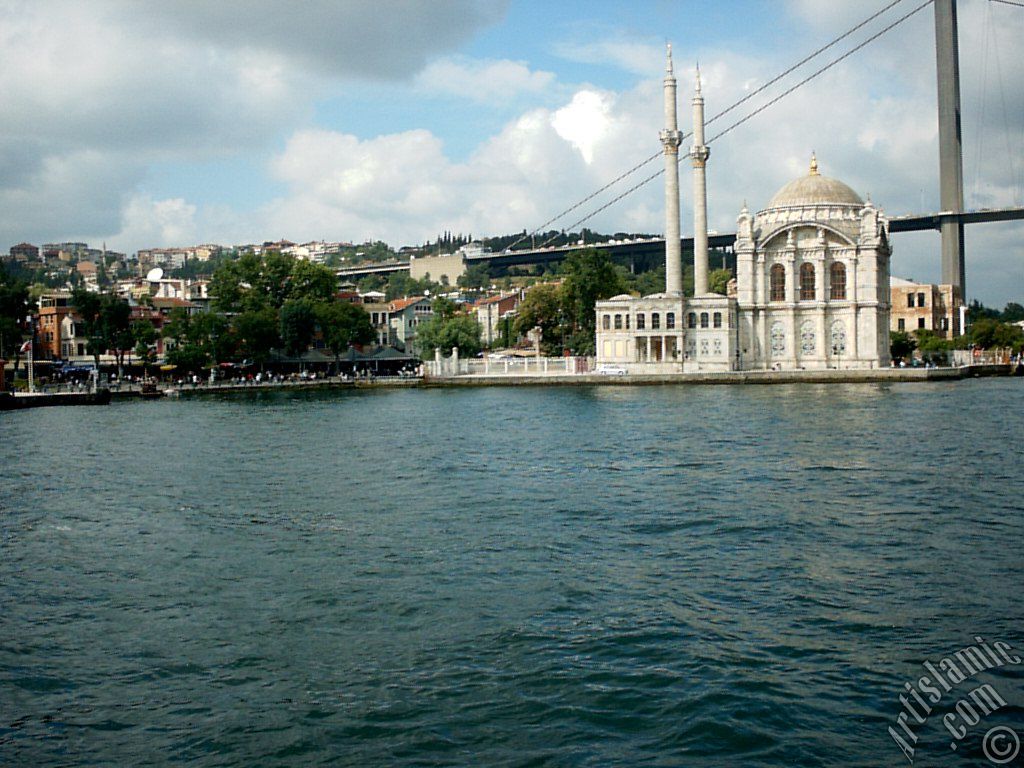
(699, 155)
(670, 140)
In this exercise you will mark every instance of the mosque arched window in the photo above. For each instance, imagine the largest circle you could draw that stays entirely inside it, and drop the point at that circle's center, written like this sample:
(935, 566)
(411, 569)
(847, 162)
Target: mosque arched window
(618, 322)
(806, 282)
(777, 279)
(606, 322)
(655, 320)
(670, 320)
(691, 320)
(717, 320)
(703, 319)
(837, 281)
(641, 321)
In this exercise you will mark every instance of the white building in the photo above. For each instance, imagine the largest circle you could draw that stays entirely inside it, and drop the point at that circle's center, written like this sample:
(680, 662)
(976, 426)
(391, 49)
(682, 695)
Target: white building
(812, 282)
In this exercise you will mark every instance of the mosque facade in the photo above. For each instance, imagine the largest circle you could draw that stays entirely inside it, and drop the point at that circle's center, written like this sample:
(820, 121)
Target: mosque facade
(811, 288)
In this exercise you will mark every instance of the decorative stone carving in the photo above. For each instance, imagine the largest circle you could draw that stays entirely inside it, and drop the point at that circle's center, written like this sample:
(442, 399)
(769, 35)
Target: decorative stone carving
(807, 341)
(778, 339)
(838, 337)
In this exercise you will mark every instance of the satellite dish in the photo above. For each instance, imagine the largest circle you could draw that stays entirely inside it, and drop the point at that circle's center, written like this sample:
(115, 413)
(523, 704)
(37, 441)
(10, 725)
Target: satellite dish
(155, 274)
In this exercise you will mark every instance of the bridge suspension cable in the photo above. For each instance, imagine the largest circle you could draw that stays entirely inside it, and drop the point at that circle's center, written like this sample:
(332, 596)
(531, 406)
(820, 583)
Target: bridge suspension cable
(728, 109)
(822, 70)
(803, 61)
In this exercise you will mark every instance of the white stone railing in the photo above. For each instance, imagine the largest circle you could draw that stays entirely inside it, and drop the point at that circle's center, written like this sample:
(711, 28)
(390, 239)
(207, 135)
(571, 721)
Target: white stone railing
(444, 367)
(963, 357)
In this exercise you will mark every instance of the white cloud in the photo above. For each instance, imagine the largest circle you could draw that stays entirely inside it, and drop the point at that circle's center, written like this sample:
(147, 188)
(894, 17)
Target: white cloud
(584, 121)
(95, 94)
(494, 82)
(635, 56)
(160, 223)
(354, 37)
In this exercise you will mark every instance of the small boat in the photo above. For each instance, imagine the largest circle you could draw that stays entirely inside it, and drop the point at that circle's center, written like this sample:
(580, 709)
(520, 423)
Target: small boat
(13, 402)
(149, 391)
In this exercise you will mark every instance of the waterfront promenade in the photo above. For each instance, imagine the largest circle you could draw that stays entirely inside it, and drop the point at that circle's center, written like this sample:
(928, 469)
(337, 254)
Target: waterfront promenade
(584, 379)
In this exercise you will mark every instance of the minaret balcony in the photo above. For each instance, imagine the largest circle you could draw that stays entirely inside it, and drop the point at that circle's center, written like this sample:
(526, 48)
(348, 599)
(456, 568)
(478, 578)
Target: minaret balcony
(671, 138)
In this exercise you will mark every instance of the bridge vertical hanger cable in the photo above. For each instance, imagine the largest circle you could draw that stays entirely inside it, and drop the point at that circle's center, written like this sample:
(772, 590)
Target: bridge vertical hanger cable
(754, 113)
(980, 142)
(1006, 118)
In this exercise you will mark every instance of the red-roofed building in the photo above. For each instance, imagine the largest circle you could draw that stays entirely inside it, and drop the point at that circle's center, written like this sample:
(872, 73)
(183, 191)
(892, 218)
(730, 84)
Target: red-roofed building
(492, 310)
(166, 305)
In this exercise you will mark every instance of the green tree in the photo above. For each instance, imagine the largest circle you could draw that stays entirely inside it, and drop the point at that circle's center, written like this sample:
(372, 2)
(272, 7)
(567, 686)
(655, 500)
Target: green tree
(1012, 313)
(197, 338)
(475, 276)
(105, 321)
(989, 333)
(145, 336)
(228, 289)
(440, 332)
(298, 324)
(978, 311)
(186, 350)
(314, 282)
(718, 281)
(542, 306)
(14, 307)
(931, 346)
(590, 276)
(342, 325)
(257, 334)
(254, 282)
(272, 278)
(901, 345)
(652, 281)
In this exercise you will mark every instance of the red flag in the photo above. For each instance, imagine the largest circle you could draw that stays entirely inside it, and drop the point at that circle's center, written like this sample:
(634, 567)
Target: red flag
(26, 346)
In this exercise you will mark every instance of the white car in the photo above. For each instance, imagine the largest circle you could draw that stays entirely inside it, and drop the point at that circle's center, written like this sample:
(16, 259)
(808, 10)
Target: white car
(611, 370)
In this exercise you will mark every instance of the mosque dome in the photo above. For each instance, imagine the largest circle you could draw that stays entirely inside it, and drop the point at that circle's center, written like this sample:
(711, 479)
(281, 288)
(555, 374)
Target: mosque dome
(814, 189)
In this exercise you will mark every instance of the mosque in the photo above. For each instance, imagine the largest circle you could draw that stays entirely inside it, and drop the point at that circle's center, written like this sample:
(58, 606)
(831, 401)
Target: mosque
(811, 288)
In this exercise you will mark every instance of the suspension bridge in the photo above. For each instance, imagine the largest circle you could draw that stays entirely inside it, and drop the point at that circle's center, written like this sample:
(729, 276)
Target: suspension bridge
(949, 222)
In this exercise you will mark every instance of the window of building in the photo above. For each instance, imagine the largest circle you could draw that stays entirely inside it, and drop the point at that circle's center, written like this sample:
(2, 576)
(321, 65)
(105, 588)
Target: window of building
(920, 299)
(670, 320)
(920, 322)
(627, 322)
(703, 319)
(910, 300)
(944, 323)
(691, 320)
(806, 282)
(618, 322)
(717, 320)
(837, 281)
(641, 321)
(655, 320)
(901, 324)
(778, 283)
(606, 322)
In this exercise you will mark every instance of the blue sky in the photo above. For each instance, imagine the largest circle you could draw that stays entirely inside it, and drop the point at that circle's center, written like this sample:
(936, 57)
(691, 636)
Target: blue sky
(246, 120)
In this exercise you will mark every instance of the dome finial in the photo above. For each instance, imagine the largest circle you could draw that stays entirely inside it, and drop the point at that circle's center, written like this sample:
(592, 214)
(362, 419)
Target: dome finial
(814, 164)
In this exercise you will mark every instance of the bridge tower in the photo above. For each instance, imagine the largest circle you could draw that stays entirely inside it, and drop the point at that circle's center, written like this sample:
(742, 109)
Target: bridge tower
(670, 141)
(951, 169)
